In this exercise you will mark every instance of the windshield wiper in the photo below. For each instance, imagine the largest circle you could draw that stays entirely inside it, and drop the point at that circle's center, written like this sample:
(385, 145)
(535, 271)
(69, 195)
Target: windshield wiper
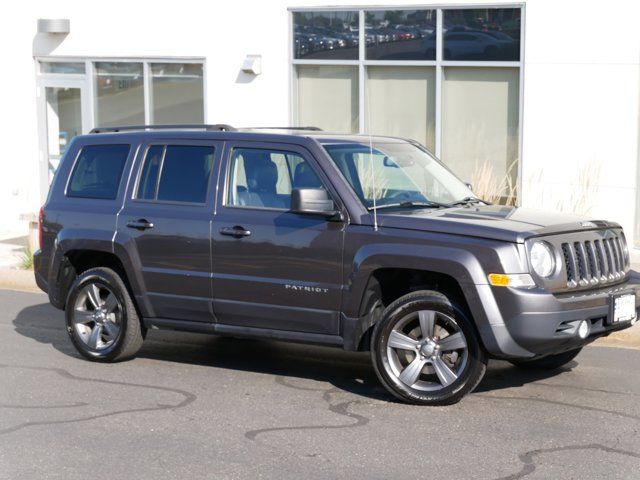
(467, 201)
(411, 204)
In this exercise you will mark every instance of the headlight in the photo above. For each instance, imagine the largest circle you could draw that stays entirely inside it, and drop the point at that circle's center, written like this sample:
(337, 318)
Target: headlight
(542, 259)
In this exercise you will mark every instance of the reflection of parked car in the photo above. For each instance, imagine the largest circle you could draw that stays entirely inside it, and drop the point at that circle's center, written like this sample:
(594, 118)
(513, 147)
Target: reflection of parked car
(471, 44)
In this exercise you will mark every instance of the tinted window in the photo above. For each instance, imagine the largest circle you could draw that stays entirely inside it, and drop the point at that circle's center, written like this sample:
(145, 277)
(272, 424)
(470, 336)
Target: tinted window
(97, 172)
(487, 34)
(184, 175)
(264, 178)
(149, 177)
(401, 34)
(326, 35)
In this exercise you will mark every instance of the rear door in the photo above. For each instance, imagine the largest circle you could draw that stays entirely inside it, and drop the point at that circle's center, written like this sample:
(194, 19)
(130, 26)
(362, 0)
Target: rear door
(167, 219)
(273, 268)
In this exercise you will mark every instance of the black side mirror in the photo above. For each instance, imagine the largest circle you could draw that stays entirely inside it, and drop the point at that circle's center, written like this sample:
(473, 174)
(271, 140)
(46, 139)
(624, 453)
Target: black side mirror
(313, 201)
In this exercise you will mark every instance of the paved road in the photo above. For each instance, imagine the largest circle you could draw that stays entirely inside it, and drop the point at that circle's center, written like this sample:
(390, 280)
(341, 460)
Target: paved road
(207, 407)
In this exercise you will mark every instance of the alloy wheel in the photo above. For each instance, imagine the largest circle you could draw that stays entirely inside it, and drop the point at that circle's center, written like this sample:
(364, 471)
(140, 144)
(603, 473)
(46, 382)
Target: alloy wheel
(97, 316)
(426, 350)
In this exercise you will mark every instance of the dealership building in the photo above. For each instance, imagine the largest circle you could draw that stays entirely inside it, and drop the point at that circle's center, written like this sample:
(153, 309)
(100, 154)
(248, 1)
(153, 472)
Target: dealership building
(533, 103)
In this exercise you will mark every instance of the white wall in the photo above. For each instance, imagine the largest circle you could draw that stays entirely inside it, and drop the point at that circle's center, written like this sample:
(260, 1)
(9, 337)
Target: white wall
(582, 79)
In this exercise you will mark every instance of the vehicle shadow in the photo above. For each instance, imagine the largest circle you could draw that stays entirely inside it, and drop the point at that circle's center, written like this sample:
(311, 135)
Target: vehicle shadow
(347, 371)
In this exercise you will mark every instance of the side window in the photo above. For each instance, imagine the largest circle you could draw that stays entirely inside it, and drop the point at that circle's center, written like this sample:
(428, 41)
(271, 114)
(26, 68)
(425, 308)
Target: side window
(148, 186)
(264, 178)
(176, 173)
(97, 172)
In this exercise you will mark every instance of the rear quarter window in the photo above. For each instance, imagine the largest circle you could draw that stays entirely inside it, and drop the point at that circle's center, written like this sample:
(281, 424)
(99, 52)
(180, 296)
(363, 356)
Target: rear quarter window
(97, 171)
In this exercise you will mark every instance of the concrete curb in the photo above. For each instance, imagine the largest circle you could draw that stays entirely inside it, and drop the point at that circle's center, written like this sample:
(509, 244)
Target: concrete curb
(629, 338)
(16, 279)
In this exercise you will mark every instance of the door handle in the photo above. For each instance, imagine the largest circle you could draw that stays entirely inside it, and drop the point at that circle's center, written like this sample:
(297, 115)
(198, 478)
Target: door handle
(140, 224)
(236, 231)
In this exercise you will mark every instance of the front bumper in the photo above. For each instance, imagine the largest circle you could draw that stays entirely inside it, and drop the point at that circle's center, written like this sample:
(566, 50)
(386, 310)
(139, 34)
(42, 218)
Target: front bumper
(535, 323)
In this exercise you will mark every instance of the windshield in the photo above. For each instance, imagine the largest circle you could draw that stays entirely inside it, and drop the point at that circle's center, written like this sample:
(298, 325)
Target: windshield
(399, 173)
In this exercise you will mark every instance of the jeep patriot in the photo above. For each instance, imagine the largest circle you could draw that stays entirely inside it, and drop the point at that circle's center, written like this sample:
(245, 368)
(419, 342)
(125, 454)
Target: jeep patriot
(357, 242)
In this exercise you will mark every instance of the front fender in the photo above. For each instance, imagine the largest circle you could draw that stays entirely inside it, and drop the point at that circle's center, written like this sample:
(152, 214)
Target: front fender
(468, 265)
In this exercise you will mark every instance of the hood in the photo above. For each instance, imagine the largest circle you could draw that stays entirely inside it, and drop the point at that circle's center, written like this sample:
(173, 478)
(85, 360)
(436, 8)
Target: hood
(509, 224)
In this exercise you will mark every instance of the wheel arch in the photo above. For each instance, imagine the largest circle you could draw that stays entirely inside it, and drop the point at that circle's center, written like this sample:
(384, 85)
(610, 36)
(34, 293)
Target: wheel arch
(380, 278)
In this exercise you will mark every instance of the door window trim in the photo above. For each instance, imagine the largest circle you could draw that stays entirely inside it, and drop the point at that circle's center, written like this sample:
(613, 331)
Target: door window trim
(139, 166)
(273, 147)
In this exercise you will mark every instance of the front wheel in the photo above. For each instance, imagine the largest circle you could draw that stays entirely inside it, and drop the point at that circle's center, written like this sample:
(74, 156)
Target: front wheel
(102, 321)
(425, 350)
(550, 362)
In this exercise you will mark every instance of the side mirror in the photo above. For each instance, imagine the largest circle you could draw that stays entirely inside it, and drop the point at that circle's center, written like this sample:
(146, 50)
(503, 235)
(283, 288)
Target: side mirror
(313, 201)
(469, 186)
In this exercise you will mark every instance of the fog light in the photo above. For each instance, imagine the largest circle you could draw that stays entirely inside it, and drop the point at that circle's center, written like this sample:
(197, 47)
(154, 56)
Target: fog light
(583, 329)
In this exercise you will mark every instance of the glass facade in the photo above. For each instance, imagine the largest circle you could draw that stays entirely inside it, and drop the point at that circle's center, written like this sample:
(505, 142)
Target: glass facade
(482, 34)
(447, 77)
(480, 126)
(401, 102)
(326, 35)
(400, 34)
(177, 93)
(328, 97)
(120, 94)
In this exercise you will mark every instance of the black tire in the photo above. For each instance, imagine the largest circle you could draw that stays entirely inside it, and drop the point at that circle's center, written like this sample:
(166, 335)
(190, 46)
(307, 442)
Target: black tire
(550, 362)
(469, 374)
(130, 336)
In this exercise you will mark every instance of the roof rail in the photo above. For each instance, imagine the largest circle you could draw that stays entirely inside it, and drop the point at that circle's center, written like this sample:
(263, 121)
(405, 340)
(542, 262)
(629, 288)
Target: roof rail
(219, 127)
(314, 129)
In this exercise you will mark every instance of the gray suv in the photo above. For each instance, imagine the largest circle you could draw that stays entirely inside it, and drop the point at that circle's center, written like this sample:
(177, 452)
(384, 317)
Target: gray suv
(340, 240)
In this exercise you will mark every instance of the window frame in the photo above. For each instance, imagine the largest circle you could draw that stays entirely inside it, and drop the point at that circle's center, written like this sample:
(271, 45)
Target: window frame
(272, 147)
(89, 79)
(439, 64)
(174, 143)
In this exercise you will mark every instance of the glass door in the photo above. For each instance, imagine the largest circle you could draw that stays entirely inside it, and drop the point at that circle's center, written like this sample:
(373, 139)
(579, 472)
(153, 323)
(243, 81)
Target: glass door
(64, 121)
(64, 111)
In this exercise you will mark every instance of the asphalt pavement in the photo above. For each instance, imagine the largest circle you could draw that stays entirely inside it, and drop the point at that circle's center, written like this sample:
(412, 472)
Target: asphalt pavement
(192, 407)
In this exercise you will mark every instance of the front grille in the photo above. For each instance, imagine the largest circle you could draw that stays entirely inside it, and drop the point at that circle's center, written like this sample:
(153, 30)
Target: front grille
(595, 262)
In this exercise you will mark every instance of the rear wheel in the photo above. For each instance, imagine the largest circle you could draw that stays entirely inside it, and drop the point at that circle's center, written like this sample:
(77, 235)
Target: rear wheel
(102, 321)
(425, 350)
(549, 362)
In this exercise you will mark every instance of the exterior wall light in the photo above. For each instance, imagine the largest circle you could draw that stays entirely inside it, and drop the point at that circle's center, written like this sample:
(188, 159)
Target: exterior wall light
(54, 25)
(252, 64)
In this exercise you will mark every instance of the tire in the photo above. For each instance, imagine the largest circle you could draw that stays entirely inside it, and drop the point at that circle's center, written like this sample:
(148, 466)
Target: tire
(102, 320)
(550, 362)
(410, 364)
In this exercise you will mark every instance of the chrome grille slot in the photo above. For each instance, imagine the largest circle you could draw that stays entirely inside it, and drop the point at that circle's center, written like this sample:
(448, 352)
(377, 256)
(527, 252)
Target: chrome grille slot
(571, 264)
(594, 261)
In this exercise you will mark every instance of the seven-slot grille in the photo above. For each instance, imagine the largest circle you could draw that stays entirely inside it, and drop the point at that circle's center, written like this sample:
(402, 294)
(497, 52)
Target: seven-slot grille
(594, 262)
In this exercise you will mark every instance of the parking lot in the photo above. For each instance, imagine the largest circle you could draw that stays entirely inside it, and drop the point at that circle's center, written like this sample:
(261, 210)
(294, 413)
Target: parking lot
(208, 407)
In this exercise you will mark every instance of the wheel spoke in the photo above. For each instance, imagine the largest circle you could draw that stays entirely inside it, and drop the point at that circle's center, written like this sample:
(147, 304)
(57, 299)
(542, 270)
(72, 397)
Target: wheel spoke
(82, 316)
(111, 303)
(427, 320)
(452, 342)
(94, 338)
(410, 375)
(400, 340)
(93, 293)
(444, 373)
(111, 329)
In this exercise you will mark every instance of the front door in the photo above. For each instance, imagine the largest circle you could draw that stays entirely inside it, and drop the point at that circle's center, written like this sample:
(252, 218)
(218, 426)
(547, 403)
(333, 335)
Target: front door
(273, 268)
(166, 223)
